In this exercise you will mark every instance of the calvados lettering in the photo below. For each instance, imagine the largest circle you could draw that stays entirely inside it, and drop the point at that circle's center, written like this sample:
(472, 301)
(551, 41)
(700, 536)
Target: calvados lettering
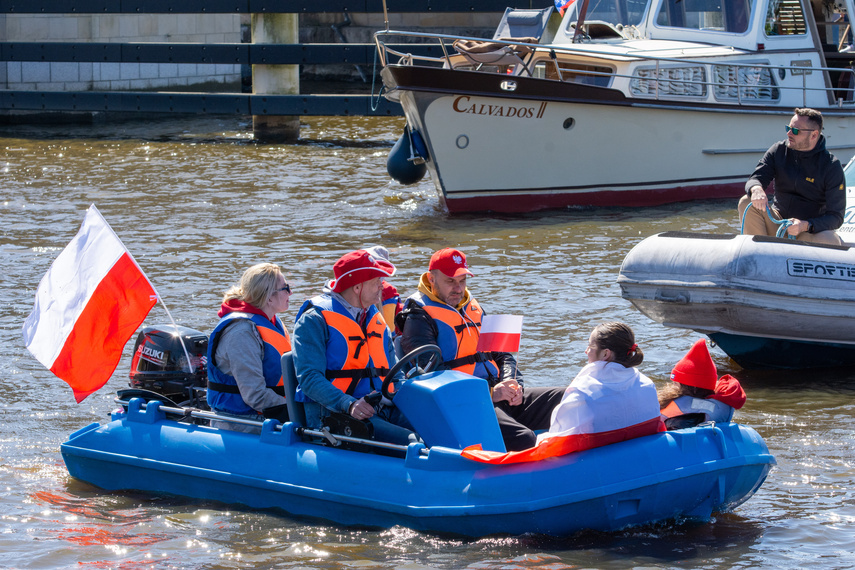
(462, 105)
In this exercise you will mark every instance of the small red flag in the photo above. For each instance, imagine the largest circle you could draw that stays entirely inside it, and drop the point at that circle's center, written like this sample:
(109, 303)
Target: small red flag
(500, 333)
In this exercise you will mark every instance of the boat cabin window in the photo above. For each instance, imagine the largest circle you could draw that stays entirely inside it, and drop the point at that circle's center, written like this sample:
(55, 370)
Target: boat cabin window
(719, 15)
(624, 12)
(574, 73)
(673, 81)
(744, 83)
(785, 18)
(834, 29)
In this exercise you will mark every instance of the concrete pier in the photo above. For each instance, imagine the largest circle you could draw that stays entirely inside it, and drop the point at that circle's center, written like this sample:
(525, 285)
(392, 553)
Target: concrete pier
(275, 79)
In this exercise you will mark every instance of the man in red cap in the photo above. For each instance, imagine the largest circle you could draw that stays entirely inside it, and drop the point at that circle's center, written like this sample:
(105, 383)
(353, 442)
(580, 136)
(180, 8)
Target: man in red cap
(343, 348)
(443, 312)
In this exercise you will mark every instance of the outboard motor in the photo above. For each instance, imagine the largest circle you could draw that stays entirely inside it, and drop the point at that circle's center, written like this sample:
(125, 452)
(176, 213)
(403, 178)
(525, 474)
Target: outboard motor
(160, 364)
(406, 161)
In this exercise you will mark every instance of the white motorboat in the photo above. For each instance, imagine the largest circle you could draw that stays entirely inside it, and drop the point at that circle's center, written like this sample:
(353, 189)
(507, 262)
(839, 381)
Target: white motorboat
(620, 103)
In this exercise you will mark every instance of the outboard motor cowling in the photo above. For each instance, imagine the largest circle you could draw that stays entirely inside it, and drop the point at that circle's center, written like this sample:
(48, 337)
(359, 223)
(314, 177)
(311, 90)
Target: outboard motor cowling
(160, 364)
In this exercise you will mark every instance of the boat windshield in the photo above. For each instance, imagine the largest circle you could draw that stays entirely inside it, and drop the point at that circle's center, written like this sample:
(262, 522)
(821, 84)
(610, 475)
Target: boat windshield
(624, 12)
(719, 15)
(715, 15)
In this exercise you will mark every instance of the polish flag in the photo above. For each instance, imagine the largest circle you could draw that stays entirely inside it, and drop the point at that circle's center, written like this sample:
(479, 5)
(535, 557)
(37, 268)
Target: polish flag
(88, 304)
(562, 5)
(500, 333)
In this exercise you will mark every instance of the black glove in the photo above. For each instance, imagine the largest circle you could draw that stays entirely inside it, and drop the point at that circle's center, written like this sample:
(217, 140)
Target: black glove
(373, 398)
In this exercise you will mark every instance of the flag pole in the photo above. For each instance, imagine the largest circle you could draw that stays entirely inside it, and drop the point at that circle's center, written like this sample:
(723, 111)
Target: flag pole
(159, 298)
(178, 334)
(386, 15)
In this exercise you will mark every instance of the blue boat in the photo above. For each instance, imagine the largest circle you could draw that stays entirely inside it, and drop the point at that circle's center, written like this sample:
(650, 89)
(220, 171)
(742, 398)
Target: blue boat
(430, 486)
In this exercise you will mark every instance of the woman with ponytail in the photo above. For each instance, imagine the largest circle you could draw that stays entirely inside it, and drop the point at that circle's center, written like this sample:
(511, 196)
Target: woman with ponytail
(609, 401)
(609, 397)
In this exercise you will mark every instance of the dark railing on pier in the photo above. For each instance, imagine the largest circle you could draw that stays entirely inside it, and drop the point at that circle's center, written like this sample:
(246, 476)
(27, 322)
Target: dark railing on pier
(244, 53)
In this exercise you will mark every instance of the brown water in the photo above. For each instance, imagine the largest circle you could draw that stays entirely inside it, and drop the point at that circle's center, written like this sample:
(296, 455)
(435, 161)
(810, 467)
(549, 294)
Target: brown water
(197, 202)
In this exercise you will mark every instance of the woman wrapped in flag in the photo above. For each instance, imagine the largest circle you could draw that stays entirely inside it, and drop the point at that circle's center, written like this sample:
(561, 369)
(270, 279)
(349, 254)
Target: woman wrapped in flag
(607, 402)
(609, 393)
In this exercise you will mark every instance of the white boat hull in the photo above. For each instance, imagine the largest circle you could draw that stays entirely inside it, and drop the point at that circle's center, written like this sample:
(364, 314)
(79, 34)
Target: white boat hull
(530, 162)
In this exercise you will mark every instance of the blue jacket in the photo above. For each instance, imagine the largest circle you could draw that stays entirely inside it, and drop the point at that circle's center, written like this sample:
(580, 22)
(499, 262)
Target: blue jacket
(315, 341)
(356, 357)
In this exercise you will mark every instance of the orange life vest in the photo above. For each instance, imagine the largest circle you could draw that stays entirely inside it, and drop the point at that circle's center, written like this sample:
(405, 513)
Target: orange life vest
(458, 336)
(356, 354)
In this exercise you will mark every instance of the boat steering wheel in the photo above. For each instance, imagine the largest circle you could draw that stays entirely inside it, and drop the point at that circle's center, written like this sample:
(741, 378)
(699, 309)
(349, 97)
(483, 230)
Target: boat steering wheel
(411, 357)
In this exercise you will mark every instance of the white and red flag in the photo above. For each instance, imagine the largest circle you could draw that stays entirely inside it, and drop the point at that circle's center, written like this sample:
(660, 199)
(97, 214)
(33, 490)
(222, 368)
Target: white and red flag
(500, 333)
(562, 5)
(88, 304)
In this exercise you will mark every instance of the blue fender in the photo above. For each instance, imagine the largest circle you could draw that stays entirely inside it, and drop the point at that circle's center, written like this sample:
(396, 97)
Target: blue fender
(400, 164)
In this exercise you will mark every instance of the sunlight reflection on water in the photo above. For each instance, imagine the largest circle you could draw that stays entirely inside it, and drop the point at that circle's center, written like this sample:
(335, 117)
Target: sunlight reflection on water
(197, 202)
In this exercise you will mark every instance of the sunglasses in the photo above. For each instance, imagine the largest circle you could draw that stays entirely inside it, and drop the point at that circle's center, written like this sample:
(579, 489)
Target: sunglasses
(286, 288)
(796, 130)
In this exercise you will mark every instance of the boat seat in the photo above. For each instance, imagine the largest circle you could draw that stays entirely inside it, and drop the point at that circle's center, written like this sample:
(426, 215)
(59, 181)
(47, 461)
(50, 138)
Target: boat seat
(296, 412)
(517, 25)
(480, 53)
(523, 23)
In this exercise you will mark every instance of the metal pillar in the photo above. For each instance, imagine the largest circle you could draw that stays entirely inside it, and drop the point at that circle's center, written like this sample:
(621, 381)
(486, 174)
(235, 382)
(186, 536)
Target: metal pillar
(275, 79)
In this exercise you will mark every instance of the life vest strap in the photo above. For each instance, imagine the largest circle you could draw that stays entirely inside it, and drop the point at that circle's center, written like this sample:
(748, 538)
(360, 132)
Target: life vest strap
(471, 359)
(465, 325)
(357, 373)
(233, 389)
(363, 341)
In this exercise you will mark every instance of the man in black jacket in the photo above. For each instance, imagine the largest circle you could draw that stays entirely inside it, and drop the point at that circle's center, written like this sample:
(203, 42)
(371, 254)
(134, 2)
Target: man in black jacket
(810, 187)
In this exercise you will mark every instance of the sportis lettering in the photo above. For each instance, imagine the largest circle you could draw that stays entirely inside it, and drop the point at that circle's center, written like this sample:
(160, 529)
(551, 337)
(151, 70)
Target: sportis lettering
(807, 268)
(463, 104)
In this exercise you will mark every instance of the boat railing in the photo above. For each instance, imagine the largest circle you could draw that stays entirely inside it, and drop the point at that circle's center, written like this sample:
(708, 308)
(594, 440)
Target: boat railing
(744, 79)
(335, 440)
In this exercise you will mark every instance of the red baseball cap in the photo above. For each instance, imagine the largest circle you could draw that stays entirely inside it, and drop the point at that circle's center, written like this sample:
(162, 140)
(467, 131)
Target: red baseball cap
(357, 267)
(451, 262)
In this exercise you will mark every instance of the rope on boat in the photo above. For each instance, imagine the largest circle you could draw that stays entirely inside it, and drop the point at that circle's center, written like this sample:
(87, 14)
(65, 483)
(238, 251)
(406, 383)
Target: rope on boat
(782, 224)
(375, 102)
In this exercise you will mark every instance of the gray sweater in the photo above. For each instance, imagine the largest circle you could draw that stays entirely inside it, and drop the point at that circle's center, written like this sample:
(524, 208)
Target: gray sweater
(239, 354)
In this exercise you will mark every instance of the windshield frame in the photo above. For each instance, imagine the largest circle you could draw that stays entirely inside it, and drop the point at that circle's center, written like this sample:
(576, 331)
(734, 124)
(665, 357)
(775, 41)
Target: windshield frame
(591, 15)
